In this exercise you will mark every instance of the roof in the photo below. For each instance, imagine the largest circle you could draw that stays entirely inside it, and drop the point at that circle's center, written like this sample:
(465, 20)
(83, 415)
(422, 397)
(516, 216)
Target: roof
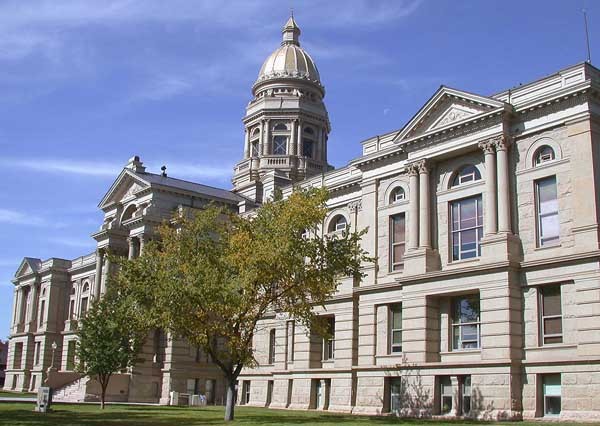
(211, 191)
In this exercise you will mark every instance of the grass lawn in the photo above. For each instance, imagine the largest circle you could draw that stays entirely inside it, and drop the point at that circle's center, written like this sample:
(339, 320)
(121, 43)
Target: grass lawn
(18, 394)
(21, 414)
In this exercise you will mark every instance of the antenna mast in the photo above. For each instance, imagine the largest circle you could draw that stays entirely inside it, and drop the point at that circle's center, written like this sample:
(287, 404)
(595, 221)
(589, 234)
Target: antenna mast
(587, 37)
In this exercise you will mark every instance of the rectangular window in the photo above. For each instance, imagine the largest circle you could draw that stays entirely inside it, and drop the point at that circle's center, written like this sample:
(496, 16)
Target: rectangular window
(467, 228)
(396, 328)
(329, 341)
(291, 331)
(395, 395)
(445, 395)
(550, 315)
(307, 148)
(272, 346)
(17, 360)
(71, 355)
(279, 145)
(465, 322)
(397, 242)
(465, 391)
(548, 226)
(42, 313)
(245, 392)
(254, 149)
(552, 394)
(84, 307)
(37, 352)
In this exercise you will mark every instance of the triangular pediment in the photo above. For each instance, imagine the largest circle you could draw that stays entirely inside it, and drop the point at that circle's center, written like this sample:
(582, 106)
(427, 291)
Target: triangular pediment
(446, 108)
(124, 188)
(28, 265)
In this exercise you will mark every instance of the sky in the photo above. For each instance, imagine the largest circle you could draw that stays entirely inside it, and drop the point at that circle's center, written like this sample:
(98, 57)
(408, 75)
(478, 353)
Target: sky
(85, 85)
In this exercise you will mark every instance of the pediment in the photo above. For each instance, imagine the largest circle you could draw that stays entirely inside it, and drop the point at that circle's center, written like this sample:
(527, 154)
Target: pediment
(28, 266)
(446, 108)
(124, 188)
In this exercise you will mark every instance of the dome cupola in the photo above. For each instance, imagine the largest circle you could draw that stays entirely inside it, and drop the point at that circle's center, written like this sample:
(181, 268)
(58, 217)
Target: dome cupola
(289, 61)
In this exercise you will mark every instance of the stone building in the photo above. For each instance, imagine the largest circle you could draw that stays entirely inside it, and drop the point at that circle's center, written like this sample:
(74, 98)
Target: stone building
(482, 212)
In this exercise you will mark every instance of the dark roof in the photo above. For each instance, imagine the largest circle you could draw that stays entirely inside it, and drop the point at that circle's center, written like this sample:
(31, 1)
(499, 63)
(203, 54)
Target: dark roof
(185, 185)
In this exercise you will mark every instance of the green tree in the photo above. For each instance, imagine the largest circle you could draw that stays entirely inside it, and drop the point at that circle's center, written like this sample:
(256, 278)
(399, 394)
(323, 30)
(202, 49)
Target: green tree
(211, 277)
(109, 341)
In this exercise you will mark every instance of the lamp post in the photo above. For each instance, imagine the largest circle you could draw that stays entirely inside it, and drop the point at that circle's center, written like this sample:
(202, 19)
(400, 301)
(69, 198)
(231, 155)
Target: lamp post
(54, 346)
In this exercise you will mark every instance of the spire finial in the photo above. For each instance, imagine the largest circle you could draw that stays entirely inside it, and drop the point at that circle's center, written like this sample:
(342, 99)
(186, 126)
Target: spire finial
(291, 31)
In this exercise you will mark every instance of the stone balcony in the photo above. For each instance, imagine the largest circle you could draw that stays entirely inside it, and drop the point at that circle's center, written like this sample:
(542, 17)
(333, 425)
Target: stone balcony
(303, 165)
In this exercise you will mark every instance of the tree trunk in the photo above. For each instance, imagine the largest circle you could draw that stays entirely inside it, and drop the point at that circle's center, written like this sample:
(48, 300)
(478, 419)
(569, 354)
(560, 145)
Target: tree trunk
(230, 403)
(102, 396)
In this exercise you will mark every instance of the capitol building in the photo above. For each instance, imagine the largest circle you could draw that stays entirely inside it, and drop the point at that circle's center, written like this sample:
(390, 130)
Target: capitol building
(482, 211)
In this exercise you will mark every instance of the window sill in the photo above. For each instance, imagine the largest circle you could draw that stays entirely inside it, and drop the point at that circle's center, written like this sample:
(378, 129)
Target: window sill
(461, 351)
(328, 361)
(548, 247)
(394, 355)
(554, 346)
(465, 261)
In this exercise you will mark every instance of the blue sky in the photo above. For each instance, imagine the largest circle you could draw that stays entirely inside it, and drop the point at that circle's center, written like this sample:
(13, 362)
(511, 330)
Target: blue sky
(87, 84)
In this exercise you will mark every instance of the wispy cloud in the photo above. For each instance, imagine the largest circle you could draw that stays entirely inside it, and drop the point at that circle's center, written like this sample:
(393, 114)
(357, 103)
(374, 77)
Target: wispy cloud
(14, 217)
(73, 242)
(107, 169)
(52, 165)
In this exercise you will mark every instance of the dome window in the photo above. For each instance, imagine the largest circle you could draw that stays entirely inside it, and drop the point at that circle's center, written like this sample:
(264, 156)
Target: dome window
(543, 155)
(465, 175)
(280, 127)
(397, 195)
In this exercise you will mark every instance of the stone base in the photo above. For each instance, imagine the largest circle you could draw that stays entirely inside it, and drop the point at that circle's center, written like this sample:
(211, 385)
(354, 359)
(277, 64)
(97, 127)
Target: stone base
(501, 247)
(422, 260)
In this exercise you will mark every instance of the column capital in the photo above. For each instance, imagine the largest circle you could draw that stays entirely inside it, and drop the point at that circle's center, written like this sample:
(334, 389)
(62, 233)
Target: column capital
(502, 143)
(354, 206)
(488, 146)
(423, 166)
(412, 169)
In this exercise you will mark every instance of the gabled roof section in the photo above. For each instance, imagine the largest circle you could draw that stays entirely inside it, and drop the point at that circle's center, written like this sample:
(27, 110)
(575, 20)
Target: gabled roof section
(127, 182)
(446, 108)
(130, 182)
(29, 265)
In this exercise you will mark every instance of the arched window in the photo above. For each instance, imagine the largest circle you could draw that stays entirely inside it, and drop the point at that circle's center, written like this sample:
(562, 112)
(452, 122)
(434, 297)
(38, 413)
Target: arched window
(465, 175)
(280, 126)
(543, 155)
(256, 132)
(128, 213)
(309, 131)
(398, 194)
(73, 289)
(338, 224)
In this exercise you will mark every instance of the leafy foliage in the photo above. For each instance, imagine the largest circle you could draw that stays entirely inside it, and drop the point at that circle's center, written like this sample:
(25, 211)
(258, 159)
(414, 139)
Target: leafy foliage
(210, 278)
(108, 340)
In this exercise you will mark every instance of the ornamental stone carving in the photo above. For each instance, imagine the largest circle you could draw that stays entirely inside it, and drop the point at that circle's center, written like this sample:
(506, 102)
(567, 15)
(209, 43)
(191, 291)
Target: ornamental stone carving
(488, 146)
(355, 206)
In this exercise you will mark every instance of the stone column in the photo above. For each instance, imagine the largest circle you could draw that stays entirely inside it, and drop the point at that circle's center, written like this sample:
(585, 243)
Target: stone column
(142, 242)
(319, 151)
(131, 252)
(247, 143)
(413, 207)
(261, 140)
(105, 276)
(324, 146)
(503, 186)
(98, 276)
(491, 226)
(267, 144)
(299, 146)
(31, 315)
(292, 144)
(18, 306)
(424, 206)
